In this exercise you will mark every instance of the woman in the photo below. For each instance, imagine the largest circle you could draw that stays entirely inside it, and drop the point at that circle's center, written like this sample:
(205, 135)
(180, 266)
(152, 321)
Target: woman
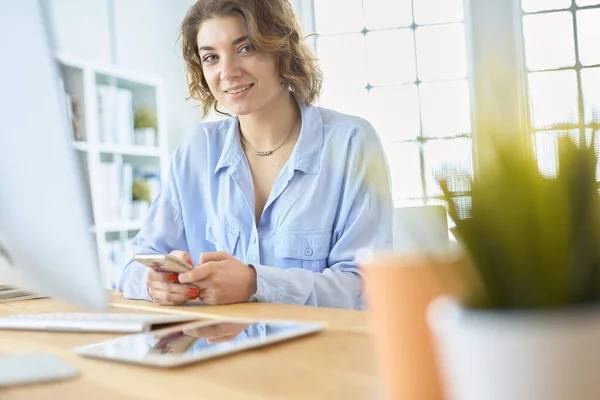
(274, 203)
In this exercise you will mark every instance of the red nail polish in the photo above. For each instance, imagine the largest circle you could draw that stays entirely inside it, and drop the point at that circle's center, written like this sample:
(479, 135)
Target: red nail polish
(173, 278)
(192, 292)
(190, 263)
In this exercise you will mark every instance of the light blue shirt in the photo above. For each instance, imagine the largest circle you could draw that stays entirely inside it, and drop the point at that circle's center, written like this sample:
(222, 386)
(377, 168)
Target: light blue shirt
(330, 199)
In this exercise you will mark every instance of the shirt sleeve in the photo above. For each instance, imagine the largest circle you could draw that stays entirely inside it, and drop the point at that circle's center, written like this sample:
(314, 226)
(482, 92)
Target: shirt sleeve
(162, 232)
(366, 215)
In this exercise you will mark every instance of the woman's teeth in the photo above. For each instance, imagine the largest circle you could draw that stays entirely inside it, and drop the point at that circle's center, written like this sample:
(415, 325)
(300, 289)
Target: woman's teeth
(239, 90)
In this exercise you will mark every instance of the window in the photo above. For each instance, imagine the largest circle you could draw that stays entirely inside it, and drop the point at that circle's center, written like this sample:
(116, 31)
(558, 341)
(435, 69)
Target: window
(563, 69)
(402, 65)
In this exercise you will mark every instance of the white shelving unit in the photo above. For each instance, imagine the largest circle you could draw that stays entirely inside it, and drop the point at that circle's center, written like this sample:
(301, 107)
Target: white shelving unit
(80, 80)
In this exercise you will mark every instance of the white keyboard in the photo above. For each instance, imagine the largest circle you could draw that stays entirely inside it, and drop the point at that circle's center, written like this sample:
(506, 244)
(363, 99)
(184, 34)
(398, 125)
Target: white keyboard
(91, 322)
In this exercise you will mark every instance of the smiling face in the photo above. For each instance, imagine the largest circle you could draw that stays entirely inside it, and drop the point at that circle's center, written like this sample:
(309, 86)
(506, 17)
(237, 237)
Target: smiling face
(241, 78)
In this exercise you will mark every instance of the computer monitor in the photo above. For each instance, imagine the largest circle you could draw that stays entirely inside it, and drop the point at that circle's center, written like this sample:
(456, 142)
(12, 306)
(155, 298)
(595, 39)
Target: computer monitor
(44, 226)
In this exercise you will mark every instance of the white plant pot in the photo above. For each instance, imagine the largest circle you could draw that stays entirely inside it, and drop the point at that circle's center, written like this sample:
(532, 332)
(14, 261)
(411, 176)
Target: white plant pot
(517, 355)
(145, 137)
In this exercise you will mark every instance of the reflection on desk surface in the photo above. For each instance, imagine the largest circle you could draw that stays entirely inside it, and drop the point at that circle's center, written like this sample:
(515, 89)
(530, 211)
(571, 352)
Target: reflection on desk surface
(191, 339)
(200, 338)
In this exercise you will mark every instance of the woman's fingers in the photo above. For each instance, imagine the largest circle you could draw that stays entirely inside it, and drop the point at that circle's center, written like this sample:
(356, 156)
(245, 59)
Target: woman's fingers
(199, 273)
(165, 298)
(173, 287)
(165, 290)
(183, 256)
(164, 287)
(156, 276)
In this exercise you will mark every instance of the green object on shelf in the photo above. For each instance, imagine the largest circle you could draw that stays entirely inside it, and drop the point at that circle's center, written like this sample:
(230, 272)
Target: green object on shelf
(533, 239)
(141, 190)
(145, 117)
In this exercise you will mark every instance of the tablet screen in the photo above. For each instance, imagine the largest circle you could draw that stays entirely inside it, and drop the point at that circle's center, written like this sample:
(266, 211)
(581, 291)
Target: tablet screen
(196, 341)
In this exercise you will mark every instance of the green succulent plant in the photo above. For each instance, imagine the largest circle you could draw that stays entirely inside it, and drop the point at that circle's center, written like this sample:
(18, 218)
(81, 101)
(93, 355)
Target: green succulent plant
(141, 190)
(533, 240)
(144, 117)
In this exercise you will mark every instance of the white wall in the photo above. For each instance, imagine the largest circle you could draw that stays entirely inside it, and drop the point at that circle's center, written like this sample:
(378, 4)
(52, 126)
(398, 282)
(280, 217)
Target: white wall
(145, 34)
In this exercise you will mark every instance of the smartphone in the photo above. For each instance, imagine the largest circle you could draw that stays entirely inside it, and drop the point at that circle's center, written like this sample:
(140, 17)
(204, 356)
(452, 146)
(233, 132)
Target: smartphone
(163, 262)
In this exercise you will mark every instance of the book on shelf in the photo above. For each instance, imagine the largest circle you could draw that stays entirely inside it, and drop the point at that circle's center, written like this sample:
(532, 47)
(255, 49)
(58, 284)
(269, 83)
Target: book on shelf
(72, 113)
(115, 115)
(116, 179)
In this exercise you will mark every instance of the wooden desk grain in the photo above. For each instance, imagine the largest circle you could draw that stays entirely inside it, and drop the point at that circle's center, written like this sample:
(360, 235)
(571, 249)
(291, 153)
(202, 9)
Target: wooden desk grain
(336, 364)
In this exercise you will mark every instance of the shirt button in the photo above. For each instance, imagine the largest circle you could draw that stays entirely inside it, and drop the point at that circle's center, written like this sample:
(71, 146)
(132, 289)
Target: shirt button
(308, 252)
(254, 240)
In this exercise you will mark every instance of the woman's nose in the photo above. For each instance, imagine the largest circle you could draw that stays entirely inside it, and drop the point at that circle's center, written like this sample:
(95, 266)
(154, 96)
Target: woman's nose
(230, 69)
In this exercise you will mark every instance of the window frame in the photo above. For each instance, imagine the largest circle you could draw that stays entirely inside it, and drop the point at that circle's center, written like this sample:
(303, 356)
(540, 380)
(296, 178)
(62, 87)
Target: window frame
(495, 53)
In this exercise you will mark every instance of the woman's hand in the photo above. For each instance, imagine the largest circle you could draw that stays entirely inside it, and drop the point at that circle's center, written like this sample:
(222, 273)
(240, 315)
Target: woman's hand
(164, 287)
(222, 279)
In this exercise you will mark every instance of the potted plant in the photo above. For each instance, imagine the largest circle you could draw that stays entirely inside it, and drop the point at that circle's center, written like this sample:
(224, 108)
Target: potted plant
(145, 126)
(141, 198)
(526, 323)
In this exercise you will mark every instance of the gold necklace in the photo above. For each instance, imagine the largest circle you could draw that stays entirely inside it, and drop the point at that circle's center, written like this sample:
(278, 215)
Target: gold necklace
(269, 152)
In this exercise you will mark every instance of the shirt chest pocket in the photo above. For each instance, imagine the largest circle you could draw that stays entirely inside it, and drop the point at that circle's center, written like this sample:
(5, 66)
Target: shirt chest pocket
(306, 250)
(223, 234)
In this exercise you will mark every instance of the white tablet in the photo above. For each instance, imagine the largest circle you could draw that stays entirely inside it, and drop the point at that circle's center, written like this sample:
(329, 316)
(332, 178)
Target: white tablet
(196, 341)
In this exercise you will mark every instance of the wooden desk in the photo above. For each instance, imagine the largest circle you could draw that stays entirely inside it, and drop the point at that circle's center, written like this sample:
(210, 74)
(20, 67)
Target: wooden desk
(336, 364)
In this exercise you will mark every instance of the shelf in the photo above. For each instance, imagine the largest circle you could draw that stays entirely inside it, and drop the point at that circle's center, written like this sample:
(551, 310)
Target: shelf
(120, 226)
(133, 150)
(105, 184)
(150, 151)
(81, 146)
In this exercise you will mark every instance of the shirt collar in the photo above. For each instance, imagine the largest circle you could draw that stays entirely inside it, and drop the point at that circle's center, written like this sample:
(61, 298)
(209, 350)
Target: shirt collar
(305, 156)
(307, 152)
(232, 149)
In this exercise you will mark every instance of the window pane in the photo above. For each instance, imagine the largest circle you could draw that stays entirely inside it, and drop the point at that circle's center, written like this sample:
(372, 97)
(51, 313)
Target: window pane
(553, 98)
(464, 205)
(445, 108)
(588, 141)
(352, 102)
(549, 41)
(382, 14)
(543, 5)
(448, 156)
(394, 112)
(338, 16)
(343, 60)
(583, 3)
(441, 52)
(588, 35)
(405, 169)
(546, 150)
(438, 11)
(391, 57)
(590, 82)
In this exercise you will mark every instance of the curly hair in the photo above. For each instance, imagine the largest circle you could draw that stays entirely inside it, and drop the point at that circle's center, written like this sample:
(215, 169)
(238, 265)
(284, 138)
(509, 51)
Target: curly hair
(273, 28)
